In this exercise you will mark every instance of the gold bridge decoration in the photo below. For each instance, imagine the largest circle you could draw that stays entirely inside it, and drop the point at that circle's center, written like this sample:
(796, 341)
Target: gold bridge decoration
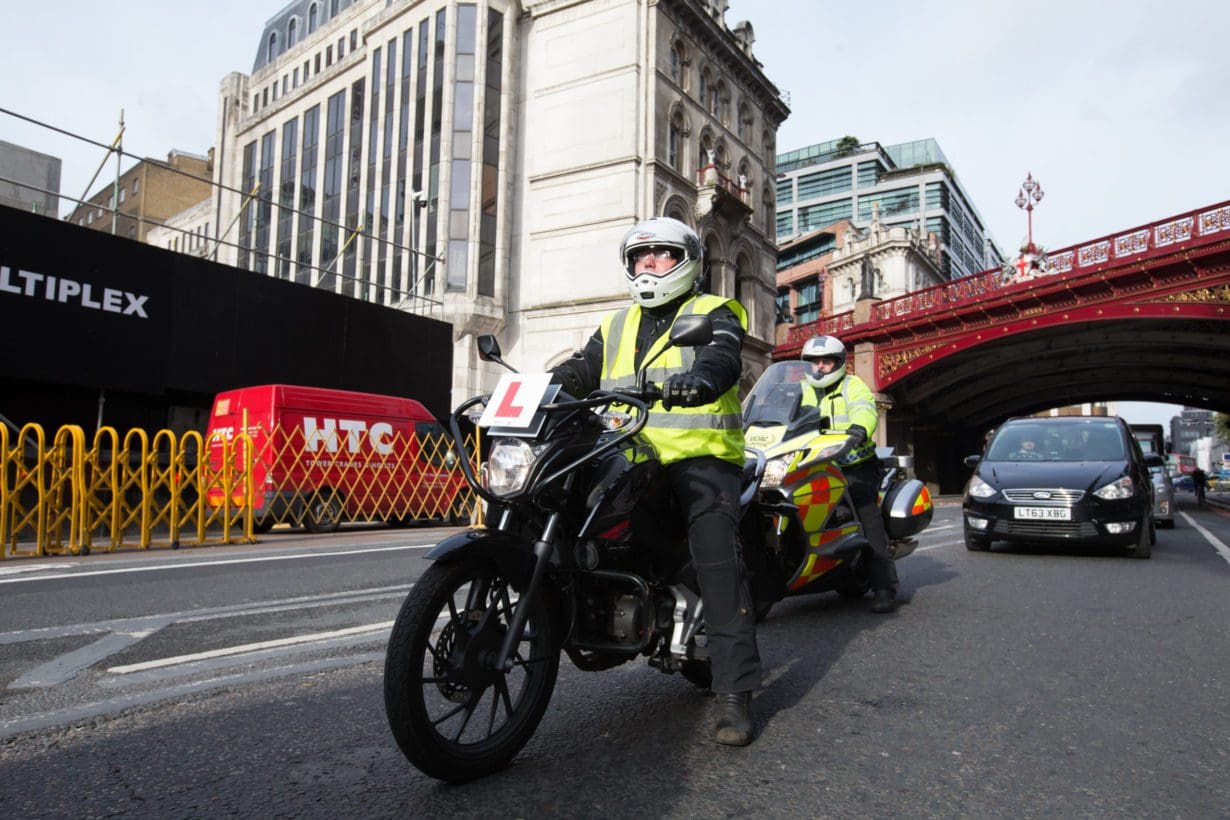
(895, 360)
(1217, 294)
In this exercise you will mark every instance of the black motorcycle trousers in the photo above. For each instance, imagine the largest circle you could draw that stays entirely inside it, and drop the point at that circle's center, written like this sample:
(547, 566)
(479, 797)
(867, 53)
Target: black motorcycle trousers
(864, 481)
(707, 491)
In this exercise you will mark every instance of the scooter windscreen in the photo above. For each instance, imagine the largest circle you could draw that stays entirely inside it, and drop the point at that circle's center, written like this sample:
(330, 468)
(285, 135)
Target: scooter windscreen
(782, 398)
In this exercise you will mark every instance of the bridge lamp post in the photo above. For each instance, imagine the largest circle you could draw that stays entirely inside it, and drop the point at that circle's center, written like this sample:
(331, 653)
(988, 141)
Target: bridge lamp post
(1029, 195)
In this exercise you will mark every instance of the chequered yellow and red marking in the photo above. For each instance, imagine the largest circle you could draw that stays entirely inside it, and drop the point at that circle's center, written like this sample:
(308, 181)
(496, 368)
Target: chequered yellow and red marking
(922, 503)
(817, 565)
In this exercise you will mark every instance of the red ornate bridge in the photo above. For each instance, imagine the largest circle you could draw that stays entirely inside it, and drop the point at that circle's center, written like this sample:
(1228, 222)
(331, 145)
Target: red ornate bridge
(1139, 315)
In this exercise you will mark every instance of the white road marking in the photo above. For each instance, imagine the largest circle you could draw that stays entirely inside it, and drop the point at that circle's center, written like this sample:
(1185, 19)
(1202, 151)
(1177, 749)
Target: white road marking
(217, 563)
(35, 568)
(249, 647)
(937, 546)
(1221, 548)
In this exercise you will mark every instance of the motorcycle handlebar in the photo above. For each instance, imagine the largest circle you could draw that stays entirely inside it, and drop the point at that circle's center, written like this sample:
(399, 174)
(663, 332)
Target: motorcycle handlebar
(640, 398)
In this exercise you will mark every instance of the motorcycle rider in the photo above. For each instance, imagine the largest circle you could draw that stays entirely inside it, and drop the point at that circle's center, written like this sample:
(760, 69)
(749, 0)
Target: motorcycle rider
(699, 442)
(848, 403)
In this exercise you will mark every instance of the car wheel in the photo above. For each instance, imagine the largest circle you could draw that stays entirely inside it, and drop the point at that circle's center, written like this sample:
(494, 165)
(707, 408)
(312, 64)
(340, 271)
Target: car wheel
(976, 543)
(1144, 543)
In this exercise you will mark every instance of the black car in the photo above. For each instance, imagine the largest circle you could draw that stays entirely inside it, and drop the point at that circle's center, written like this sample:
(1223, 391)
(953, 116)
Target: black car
(1062, 479)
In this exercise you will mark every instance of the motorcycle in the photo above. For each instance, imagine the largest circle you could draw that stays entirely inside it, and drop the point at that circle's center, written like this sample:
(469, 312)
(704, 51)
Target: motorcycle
(802, 529)
(582, 552)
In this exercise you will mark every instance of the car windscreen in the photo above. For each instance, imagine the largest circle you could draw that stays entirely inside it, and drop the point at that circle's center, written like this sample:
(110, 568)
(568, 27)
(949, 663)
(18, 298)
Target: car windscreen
(1051, 441)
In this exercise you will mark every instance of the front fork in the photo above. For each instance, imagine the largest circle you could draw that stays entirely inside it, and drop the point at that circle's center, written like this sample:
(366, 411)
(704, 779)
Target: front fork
(544, 551)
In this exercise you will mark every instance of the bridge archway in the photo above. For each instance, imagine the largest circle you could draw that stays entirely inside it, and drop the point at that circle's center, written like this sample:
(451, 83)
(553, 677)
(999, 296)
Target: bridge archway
(1142, 315)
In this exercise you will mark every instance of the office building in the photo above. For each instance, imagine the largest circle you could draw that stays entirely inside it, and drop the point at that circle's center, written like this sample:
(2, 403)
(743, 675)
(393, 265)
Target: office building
(480, 162)
(912, 185)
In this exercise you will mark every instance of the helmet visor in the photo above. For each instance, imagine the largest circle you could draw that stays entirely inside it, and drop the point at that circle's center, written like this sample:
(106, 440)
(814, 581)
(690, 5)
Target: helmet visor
(652, 260)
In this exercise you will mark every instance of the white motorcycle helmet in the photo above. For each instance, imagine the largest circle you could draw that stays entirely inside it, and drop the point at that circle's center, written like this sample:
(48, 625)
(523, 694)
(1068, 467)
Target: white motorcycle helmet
(824, 347)
(649, 289)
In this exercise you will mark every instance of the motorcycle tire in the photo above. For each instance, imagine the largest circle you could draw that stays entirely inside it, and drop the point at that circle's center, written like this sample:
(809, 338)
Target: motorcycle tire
(454, 716)
(698, 673)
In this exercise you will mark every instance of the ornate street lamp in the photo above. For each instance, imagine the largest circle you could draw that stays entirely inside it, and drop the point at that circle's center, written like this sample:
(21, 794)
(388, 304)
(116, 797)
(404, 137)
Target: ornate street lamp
(1030, 194)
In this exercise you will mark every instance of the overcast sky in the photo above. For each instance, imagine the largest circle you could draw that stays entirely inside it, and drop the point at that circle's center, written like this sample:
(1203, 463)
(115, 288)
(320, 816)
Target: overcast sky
(1120, 110)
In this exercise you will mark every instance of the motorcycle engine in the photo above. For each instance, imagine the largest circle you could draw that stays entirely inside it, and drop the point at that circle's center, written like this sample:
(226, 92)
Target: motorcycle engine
(627, 620)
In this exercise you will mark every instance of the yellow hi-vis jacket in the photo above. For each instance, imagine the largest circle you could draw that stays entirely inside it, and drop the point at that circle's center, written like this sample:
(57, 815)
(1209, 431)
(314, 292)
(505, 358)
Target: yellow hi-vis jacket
(854, 403)
(714, 429)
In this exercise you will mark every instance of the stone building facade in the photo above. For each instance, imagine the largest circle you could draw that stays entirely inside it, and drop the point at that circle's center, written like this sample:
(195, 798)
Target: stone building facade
(480, 161)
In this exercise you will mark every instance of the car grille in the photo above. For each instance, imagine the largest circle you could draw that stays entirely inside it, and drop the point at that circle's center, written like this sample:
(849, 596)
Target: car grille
(1049, 529)
(1060, 497)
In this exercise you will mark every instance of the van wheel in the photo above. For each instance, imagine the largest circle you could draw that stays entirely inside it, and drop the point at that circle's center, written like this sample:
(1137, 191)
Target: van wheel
(324, 512)
(262, 525)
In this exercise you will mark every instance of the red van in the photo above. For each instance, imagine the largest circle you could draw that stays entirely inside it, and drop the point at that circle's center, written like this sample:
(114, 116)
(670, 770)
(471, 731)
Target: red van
(323, 456)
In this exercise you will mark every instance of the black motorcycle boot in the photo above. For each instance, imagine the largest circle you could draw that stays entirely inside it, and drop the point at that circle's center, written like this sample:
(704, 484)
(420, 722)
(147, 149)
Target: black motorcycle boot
(885, 601)
(734, 723)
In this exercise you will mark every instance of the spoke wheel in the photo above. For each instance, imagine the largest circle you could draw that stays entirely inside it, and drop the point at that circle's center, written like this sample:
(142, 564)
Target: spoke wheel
(454, 715)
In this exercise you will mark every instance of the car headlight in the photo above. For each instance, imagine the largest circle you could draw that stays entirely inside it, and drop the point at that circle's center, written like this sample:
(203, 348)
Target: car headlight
(509, 465)
(1119, 488)
(980, 489)
(775, 471)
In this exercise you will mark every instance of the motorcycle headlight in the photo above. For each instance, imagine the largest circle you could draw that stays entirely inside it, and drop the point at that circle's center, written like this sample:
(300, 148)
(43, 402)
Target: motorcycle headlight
(775, 470)
(980, 489)
(509, 465)
(1119, 488)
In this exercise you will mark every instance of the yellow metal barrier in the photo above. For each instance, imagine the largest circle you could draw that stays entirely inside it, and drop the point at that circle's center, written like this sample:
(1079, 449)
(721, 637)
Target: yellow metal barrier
(167, 490)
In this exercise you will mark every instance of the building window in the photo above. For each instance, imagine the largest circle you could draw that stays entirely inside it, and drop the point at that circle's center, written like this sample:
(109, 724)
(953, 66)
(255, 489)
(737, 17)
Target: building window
(721, 104)
(295, 78)
(328, 56)
(809, 302)
(819, 216)
(704, 86)
(785, 191)
(272, 51)
(307, 194)
(341, 47)
(123, 195)
(311, 18)
(461, 168)
(332, 8)
(674, 148)
(783, 305)
(679, 61)
(292, 29)
(489, 192)
(316, 69)
(331, 203)
(354, 39)
(823, 183)
(868, 173)
(899, 202)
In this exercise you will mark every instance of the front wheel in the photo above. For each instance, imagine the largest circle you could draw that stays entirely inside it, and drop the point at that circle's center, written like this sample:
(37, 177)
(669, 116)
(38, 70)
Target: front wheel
(976, 543)
(454, 715)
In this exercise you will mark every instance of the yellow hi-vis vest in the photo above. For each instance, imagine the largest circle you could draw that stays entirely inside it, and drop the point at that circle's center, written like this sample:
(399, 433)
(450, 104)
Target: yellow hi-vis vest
(853, 404)
(714, 429)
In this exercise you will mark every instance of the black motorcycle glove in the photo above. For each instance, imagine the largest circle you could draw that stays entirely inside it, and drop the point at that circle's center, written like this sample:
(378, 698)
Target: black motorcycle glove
(858, 434)
(687, 390)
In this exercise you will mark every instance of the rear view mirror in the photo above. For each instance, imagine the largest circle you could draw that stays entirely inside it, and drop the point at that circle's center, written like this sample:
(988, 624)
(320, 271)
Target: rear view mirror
(488, 348)
(972, 461)
(691, 331)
